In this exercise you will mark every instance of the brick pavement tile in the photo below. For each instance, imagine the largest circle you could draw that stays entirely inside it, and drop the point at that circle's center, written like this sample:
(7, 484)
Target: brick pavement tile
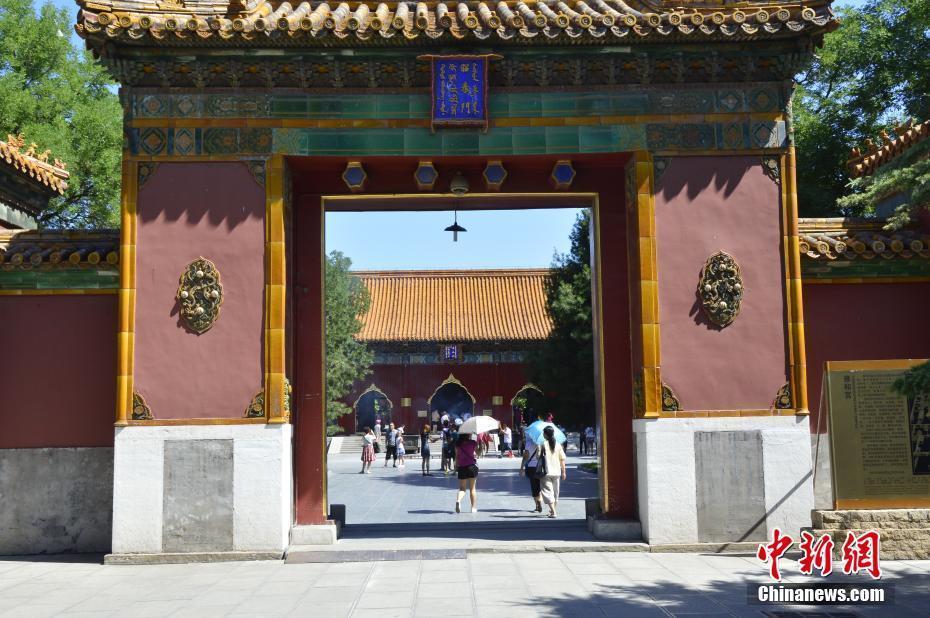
(325, 610)
(209, 611)
(387, 612)
(331, 594)
(35, 611)
(153, 609)
(267, 606)
(395, 598)
(443, 607)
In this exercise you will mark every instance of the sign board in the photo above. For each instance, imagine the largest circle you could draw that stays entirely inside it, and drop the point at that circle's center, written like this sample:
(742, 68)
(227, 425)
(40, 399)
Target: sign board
(451, 353)
(879, 440)
(459, 91)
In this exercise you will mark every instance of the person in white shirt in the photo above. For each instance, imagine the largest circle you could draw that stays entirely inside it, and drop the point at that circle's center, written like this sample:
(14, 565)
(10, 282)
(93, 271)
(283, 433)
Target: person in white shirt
(554, 454)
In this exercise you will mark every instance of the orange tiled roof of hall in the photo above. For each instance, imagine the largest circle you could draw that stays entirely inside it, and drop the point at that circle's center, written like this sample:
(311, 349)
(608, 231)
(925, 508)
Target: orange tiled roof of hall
(455, 306)
(34, 164)
(859, 239)
(866, 160)
(58, 248)
(275, 23)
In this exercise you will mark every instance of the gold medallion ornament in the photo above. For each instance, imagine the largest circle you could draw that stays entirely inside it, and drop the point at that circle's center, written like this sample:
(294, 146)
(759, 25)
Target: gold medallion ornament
(140, 410)
(783, 398)
(200, 295)
(670, 401)
(256, 408)
(721, 288)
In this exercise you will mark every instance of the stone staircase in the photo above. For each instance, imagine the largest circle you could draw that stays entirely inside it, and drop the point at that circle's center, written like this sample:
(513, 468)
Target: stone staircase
(350, 444)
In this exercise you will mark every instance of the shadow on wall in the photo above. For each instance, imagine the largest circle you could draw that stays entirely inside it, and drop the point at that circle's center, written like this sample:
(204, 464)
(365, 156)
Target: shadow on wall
(693, 179)
(235, 192)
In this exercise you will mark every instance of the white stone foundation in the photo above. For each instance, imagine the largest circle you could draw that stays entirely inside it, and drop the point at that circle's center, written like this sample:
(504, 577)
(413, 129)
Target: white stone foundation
(250, 463)
(668, 478)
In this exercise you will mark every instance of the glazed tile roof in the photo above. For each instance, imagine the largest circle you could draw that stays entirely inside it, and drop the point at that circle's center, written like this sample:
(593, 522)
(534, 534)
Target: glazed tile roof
(57, 249)
(864, 161)
(33, 164)
(455, 306)
(838, 239)
(273, 23)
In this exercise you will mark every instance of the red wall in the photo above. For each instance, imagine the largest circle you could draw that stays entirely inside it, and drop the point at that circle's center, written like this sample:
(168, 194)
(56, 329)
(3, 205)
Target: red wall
(705, 205)
(862, 321)
(419, 382)
(188, 210)
(58, 377)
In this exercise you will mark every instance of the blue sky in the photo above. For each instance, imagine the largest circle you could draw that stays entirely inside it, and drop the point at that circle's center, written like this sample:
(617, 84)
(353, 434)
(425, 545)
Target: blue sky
(495, 239)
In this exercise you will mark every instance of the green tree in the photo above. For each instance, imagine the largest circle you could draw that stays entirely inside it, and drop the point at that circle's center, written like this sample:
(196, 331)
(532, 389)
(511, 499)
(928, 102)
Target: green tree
(58, 97)
(347, 359)
(871, 73)
(564, 365)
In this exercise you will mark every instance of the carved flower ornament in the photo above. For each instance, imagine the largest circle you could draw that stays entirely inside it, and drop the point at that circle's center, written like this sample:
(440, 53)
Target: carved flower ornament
(721, 288)
(200, 295)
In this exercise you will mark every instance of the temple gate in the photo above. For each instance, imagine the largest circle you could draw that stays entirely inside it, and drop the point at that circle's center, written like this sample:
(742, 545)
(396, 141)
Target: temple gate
(246, 121)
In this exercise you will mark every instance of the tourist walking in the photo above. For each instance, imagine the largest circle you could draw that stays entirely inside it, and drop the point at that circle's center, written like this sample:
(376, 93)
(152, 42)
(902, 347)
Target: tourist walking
(590, 441)
(528, 468)
(400, 449)
(424, 450)
(506, 440)
(582, 441)
(467, 466)
(378, 428)
(446, 452)
(391, 442)
(554, 455)
(368, 450)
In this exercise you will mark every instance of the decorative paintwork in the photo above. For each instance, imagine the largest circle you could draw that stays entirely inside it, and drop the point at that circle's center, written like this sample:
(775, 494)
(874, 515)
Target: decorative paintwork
(660, 164)
(355, 176)
(494, 175)
(783, 398)
(563, 174)
(772, 168)
(256, 408)
(425, 176)
(721, 288)
(200, 295)
(257, 169)
(670, 401)
(140, 409)
(145, 171)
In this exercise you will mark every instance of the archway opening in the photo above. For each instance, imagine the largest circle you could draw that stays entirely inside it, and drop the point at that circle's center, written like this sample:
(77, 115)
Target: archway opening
(372, 409)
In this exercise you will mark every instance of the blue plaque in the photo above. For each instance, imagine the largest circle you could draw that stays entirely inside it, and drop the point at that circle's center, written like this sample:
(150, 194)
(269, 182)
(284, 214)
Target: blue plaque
(460, 91)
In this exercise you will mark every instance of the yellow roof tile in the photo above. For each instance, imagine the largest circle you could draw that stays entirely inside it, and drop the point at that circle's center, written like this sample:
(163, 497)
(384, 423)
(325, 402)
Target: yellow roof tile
(455, 306)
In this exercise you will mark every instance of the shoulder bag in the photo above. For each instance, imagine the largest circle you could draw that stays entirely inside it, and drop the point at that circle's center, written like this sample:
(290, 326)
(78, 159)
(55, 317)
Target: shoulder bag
(542, 469)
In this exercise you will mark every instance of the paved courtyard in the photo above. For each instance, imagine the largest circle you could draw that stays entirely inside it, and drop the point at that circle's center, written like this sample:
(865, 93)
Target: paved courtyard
(404, 496)
(492, 585)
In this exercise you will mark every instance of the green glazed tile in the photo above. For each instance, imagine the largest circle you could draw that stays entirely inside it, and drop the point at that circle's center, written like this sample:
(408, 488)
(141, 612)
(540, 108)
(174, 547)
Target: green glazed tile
(460, 142)
(529, 140)
(596, 139)
(525, 104)
(419, 141)
(289, 106)
(393, 105)
(561, 139)
(498, 141)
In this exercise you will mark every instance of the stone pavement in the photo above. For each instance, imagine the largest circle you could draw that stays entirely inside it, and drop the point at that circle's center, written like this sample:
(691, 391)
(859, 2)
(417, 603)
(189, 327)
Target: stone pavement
(403, 495)
(492, 585)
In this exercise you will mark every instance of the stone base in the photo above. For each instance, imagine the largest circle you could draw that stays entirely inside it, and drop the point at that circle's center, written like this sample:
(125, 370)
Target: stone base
(615, 529)
(722, 480)
(905, 533)
(202, 489)
(319, 534)
(55, 500)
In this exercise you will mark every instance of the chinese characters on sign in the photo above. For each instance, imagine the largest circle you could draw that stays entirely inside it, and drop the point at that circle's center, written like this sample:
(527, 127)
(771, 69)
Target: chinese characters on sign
(450, 352)
(460, 85)
(859, 553)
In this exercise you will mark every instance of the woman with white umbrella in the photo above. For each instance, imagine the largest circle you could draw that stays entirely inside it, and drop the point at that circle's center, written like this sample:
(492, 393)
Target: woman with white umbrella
(466, 460)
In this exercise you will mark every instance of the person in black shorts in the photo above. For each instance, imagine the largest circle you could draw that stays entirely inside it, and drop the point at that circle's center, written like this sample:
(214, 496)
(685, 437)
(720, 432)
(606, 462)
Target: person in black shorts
(528, 467)
(391, 450)
(424, 450)
(465, 446)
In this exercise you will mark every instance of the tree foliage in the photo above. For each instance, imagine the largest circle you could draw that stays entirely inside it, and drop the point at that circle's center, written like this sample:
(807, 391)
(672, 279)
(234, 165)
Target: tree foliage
(58, 97)
(564, 365)
(871, 73)
(347, 359)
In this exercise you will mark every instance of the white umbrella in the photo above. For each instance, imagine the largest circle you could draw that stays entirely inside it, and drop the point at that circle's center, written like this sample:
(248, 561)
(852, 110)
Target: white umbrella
(480, 424)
